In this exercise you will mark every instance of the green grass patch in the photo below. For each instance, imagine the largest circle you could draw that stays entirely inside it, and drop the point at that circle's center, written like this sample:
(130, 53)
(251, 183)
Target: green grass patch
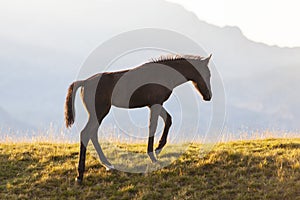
(258, 169)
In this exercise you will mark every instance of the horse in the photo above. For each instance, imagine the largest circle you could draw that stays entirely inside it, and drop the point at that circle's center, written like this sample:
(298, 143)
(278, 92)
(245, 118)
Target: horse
(147, 85)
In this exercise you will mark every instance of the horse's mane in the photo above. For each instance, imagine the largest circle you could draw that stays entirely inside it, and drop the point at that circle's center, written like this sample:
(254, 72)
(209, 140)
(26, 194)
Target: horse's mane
(174, 57)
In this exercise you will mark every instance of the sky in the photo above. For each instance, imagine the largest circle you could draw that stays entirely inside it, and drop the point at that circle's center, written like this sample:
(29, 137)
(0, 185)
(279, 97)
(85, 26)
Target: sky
(274, 22)
(53, 36)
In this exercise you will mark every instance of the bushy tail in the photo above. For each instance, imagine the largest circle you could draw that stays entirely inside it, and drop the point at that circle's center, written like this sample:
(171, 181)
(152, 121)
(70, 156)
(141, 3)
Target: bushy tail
(69, 104)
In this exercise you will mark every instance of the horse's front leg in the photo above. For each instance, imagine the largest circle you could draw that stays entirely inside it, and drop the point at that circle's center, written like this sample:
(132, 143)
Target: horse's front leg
(154, 114)
(168, 122)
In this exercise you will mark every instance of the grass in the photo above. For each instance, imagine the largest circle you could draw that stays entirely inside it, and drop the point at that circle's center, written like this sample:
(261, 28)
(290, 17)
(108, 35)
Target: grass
(257, 169)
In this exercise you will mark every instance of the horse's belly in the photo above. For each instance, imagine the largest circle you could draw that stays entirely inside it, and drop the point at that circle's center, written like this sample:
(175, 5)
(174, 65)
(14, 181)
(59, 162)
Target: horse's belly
(146, 95)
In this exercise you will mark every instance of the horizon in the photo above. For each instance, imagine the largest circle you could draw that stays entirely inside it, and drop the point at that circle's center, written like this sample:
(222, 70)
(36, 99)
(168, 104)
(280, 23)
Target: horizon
(58, 42)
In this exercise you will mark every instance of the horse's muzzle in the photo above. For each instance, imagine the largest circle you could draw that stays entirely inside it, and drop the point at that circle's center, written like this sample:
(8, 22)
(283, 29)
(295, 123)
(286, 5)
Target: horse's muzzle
(207, 98)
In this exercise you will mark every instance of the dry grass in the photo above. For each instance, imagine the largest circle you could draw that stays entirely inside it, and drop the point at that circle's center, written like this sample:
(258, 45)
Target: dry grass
(256, 169)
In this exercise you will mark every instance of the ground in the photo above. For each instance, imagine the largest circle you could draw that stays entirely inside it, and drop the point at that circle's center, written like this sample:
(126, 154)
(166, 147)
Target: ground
(257, 169)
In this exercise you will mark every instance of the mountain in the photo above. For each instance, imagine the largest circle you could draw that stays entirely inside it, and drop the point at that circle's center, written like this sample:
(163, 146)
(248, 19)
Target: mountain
(260, 81)
(7, 122)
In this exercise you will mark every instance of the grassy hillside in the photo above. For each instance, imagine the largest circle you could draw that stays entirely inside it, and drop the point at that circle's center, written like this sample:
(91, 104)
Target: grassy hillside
(262, 169)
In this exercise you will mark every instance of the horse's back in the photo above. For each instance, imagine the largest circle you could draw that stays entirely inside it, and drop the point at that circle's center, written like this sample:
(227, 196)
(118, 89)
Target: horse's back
(139, 87)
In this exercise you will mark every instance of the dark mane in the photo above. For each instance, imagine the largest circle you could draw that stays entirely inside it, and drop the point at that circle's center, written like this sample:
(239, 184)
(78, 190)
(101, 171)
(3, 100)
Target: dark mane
(171, 57)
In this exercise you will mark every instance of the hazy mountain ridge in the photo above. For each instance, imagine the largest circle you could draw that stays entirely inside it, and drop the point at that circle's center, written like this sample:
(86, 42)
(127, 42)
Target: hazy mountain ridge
(10, 123)
(260, 80)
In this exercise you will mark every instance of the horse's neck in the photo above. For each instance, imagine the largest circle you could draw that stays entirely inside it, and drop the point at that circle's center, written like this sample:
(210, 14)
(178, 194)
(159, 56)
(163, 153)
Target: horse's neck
(184, 68)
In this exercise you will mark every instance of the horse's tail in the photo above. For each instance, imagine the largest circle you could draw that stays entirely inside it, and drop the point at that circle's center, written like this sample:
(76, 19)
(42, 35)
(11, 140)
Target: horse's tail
(69, 104)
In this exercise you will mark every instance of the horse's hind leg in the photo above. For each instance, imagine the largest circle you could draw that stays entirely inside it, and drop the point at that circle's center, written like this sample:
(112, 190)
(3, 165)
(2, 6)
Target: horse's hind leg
(102, 108)
(168, 122)
(154, 114)
(101, 155)
(81, 164)
(90, 128)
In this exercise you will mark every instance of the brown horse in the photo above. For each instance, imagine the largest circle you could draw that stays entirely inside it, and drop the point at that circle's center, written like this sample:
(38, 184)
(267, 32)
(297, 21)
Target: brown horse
(150, 84)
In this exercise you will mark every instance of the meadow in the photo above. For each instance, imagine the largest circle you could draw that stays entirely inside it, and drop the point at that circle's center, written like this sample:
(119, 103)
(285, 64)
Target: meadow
(247, 169)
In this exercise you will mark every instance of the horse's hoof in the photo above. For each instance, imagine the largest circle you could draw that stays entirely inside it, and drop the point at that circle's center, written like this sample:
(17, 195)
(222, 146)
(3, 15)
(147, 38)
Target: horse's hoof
(109, 168)
(78, 180)
(157, 151)
(152, 157)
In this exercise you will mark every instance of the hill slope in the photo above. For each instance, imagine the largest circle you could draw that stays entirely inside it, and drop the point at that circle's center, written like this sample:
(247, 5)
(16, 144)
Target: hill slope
(263, 169)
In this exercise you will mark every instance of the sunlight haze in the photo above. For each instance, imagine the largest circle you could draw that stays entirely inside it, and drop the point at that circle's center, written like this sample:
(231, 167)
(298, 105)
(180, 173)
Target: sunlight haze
(45, 43)
(268, 21)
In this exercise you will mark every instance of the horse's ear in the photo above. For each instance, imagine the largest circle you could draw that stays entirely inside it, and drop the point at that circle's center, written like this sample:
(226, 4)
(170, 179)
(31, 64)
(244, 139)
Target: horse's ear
(210, 56)
(206, 60)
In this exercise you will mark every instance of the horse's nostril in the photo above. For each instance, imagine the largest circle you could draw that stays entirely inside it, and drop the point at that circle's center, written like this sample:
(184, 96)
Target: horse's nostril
(208, 98)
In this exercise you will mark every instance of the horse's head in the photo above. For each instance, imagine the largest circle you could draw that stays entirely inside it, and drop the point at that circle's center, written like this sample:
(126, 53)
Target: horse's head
(202, 80)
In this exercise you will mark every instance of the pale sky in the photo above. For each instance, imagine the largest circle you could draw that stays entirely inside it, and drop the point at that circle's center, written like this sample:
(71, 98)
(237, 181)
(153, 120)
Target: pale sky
(274, 22)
